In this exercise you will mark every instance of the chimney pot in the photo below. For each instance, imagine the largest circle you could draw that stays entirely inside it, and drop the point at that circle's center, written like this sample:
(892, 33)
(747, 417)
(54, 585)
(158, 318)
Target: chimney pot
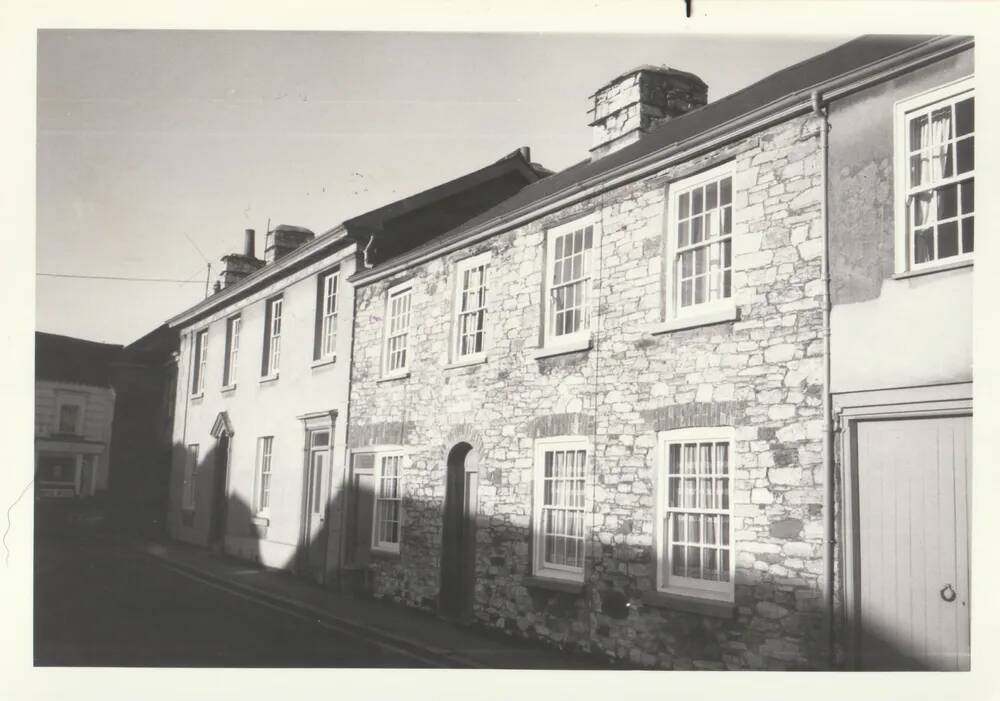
(248, 243)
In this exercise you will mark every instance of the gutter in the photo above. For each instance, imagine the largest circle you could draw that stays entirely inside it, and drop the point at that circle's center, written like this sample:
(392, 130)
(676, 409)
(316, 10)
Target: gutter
(829, 519)
(776, 111)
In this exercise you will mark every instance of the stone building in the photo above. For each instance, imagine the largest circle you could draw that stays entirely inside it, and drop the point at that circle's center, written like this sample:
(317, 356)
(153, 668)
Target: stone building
(598, 414)
(260, 418)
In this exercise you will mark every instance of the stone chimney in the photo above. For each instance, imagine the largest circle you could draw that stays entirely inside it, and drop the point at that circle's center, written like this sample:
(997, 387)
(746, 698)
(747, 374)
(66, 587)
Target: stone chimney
(237, 266)
(634, 103)
(283, 240)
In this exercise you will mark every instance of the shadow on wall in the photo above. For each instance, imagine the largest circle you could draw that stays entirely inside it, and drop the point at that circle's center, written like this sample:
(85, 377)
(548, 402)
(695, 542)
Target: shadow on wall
(226, 522)
(472, 569)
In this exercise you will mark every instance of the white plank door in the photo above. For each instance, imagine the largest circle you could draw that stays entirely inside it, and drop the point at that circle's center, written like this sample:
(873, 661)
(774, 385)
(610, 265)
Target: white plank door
(913, 505)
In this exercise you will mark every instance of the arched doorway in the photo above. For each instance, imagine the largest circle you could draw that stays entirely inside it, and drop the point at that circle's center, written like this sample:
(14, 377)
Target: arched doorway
(458, 539)
(222, 431)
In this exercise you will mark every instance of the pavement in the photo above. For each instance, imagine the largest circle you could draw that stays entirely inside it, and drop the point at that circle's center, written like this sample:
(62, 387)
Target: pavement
(107, 596)
(426, 639)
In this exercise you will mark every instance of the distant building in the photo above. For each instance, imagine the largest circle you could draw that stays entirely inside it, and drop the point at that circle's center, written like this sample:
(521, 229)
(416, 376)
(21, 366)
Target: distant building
(74, 410)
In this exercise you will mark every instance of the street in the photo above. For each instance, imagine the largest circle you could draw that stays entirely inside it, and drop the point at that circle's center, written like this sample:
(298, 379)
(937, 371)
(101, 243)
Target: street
(99, 603)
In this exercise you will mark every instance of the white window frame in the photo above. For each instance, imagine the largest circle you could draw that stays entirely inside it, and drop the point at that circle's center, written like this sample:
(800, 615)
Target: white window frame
(388, 335)
(377, 543)
(77, 400)
(263, 476)
(234, 326)
(329, 301)
(461, 268)
(904, 110)
(723, 308)
(189, 492)
(579, 339)
(675, 584)
(541, 568)
(200, 357)
(272, 335)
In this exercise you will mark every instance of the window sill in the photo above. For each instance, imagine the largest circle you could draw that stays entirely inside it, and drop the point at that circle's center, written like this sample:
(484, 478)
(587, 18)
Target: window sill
(466, 362)
(323, 362)
(395, 376)
(933, 269)
(200, 395)
(268, 378)
(380, 554)
(715, 316)
(228, 389)
(691, 604)
(567, 586)
(260, 520)
(582, 344)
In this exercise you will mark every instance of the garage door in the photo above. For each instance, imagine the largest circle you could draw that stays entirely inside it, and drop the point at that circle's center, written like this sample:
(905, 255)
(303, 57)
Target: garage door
(913, 536)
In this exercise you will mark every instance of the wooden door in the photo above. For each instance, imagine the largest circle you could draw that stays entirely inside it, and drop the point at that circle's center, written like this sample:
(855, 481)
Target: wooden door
(912, 536)
(317, 475)
(458, 540)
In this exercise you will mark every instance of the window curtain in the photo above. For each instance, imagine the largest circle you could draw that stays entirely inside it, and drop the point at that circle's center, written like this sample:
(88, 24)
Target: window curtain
(933, 163)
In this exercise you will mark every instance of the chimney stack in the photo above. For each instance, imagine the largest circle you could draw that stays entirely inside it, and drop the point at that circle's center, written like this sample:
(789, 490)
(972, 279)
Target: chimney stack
(634, 103)
(237, 266)
(283, 240)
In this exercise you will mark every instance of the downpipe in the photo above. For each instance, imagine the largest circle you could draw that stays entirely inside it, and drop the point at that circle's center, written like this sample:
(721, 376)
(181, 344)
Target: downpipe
(829, 542)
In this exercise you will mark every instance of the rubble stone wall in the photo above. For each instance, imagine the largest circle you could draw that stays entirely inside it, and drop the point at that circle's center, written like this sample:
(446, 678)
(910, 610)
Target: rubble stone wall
(760, 374)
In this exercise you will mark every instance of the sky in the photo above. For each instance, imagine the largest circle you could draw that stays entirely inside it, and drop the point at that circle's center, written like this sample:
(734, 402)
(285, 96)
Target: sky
(156, 149)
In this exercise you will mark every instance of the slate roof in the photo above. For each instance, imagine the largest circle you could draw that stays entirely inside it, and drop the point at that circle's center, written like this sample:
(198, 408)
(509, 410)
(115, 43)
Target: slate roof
(68, 359)
(797, 78)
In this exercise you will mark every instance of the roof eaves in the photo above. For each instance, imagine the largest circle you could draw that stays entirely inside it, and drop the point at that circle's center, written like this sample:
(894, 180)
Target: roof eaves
(230, 294)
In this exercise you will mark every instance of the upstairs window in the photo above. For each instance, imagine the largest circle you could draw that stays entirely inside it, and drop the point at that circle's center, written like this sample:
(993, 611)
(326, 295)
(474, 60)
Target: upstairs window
(700, 242)
(936, 158)
(272, 338)
(200, 362)
(470, 307)
(233, 325)
(327, 289)
(569, 285)
(69, 415)
(397, 331)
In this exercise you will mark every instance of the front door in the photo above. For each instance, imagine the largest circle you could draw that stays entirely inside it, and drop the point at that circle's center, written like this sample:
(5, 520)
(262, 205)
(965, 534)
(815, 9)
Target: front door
(913, 540)
(458, 542)
(220, 474)
(317, 486)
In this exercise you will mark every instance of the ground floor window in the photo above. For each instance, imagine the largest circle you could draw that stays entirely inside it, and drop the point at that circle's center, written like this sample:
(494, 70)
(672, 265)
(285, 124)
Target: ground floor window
(190, 477)
(265, 451)
(388, 502)
(694, 512)
(559, 491)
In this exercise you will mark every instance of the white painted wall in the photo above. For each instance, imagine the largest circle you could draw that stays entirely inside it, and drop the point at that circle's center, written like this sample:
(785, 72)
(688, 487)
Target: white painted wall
(918, 331)
(98, 414)
(266, 408)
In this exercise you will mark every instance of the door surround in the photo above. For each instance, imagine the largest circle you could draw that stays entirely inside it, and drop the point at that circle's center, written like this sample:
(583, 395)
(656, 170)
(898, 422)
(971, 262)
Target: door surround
(314, 421)
(934, 401)
(222, 431)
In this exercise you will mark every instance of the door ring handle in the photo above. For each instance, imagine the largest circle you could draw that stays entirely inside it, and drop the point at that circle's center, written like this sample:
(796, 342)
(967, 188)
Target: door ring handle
(948, 593)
